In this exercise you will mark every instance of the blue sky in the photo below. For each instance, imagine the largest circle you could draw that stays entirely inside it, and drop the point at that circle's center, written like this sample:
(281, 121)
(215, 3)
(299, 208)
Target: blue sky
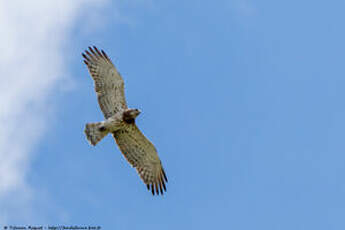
(243, 100)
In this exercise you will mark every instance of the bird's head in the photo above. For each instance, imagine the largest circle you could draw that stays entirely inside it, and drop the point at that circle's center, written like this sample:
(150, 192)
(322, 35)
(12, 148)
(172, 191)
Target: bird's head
(130, 114)
(134, 113)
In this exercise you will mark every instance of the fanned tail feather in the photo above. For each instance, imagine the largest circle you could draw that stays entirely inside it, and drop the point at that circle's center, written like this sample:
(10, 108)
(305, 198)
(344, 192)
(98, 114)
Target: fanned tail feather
(95, 132)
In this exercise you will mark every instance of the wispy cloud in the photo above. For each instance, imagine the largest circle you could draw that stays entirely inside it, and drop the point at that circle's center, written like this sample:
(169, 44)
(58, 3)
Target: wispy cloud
(31, 64)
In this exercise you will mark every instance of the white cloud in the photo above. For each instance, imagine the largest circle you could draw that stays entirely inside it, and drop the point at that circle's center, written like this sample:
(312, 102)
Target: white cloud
(31, 64)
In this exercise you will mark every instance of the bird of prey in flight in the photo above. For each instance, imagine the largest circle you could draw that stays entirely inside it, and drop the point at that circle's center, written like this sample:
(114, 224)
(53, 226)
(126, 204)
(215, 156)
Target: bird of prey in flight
(120, 121)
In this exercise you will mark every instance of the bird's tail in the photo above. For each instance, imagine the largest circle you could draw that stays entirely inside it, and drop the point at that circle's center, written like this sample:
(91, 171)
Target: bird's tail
(95, 132)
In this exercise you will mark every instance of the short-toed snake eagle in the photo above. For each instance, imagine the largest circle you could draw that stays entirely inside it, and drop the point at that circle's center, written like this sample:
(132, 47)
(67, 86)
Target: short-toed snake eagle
(120, 121)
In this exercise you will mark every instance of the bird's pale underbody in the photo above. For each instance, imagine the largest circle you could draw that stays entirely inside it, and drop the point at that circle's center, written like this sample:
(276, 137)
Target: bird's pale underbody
(120, 121)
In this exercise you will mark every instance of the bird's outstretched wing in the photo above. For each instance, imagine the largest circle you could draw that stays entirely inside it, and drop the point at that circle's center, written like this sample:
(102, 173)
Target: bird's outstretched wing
(109, 84)
(142, 155)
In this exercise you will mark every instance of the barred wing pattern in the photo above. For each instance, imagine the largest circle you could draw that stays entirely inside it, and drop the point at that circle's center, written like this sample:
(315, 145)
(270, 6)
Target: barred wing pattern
(109, 84)
(142, 155)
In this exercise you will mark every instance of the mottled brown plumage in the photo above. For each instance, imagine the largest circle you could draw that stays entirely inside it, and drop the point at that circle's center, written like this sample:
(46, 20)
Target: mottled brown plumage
(109, 84)
(120, 121)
